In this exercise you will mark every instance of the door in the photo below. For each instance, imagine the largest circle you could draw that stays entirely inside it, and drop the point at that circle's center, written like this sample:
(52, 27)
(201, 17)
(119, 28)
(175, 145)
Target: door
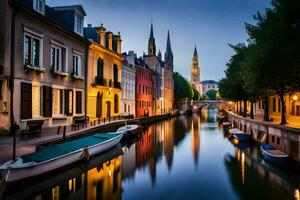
(99, 105)
(108, 108)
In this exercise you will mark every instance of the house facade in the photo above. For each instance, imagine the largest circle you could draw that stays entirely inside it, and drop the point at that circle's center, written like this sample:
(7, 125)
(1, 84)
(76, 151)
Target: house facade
(128, 85)
(144, 89)
(49, 62)
(104, 73)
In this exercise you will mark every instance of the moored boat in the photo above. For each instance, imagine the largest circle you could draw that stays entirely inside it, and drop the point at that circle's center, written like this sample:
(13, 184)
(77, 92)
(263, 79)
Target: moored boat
(128, 129)
(239, 135)
(55, 156)
(273, 155)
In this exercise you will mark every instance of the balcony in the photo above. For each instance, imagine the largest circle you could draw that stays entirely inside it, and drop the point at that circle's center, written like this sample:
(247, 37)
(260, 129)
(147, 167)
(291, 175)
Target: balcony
(114, 84)
(100, 81)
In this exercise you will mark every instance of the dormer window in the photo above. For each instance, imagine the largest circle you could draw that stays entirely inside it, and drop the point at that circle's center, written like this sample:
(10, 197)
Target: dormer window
(39, 6)
(78, 24)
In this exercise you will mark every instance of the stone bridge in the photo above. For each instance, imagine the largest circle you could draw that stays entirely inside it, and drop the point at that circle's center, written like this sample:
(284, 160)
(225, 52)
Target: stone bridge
(198, 105)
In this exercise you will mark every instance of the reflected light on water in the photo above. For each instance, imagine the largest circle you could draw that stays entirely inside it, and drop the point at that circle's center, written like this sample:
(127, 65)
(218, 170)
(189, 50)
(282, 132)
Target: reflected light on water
(243, 167)
(297, 194)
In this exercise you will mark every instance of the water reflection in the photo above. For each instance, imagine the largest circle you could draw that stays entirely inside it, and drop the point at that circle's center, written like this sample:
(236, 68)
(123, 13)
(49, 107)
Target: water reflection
(182, 158)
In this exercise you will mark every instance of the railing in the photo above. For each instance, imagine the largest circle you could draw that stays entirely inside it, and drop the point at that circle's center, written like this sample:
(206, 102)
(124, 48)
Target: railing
(100, 81)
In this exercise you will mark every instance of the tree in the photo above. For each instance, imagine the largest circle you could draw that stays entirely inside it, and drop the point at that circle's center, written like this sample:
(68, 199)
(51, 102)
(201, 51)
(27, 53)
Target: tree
(212, 94)
(274, 41)
(182, 88)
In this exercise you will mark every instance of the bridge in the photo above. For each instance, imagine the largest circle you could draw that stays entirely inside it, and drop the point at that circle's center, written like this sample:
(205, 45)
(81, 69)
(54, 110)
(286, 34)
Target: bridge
(198, 105)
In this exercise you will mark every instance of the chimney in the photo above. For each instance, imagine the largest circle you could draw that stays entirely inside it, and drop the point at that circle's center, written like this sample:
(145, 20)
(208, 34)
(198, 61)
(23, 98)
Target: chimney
(101, 35)
(89, 25)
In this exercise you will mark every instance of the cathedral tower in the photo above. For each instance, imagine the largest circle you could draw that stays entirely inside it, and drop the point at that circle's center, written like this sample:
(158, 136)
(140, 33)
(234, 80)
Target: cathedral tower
(151, 43)
(195, 71)
(169, 54)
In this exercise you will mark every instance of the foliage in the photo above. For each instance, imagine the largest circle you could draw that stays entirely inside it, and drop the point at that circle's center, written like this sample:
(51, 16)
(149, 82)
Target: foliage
(211, 94)
(269, 63)
(182, 88)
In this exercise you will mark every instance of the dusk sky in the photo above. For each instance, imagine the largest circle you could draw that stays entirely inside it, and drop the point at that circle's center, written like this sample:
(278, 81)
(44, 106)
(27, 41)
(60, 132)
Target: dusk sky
(210, 24)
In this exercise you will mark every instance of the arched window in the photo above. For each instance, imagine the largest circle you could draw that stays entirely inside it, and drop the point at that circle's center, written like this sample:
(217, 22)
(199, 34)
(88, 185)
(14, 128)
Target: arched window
(99, 105)
(100, 64)
(116, 103)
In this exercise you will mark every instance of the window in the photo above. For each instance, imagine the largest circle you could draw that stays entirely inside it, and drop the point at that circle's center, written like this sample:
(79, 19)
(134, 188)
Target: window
(273, 138)
(100, 68)
(58, 58)
(36, 101)
(274, 104)
(115, 73)
(279, 105)
(116, 103)
(78, 102)
(32, 51)
(77, 65)
(39, 6)
(124, 107)
(47, 101)
(78, 24)
(69, 102)
(58, 101)
(278, 140)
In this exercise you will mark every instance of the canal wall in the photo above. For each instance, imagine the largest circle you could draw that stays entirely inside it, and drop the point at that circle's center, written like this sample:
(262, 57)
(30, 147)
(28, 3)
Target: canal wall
(107, 127)
(284, 138)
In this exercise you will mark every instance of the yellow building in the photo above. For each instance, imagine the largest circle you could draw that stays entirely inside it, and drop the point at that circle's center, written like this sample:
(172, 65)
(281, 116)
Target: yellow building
(104, 73)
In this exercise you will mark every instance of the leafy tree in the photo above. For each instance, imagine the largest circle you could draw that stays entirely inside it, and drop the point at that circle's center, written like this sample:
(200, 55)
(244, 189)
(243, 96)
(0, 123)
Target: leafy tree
(182, 88)
(212, 94)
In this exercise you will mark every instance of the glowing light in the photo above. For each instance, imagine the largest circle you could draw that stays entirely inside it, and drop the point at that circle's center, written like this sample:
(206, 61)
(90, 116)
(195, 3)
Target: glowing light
(295, 98)
(297, 194)
(243, 167)
(109, 173)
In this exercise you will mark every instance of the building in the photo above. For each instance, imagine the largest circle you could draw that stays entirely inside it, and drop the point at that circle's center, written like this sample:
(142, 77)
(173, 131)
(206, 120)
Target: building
(163, 94)
(128, 85)
(104, 73)
(144, 89)
(209, 85)
(195, 72)
(168, 81)
(44, 54)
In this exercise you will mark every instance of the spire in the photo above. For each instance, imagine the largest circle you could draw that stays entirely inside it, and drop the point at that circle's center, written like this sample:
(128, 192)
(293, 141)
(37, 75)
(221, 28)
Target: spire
(159, 54)
(195, 52)
(168, 48)
(151, 42)
(151, 30)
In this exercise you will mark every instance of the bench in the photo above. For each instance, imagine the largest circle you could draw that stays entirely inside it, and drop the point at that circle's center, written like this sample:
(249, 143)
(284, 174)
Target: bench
(79, 121)
(33, 128)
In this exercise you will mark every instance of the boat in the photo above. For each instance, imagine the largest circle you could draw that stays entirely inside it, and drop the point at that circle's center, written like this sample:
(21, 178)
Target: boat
(55, 156)
(273, 155)
(239, 135)
(128, 129)
(24, 190)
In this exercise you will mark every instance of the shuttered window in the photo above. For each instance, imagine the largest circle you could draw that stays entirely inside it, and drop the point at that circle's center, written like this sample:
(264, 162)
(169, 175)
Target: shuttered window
(47, 101)
(26, 100)
(78, 102)
(69, 102)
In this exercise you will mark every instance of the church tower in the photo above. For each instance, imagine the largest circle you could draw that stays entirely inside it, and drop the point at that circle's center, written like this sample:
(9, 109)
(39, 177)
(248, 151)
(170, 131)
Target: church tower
(169, 54)
(151, 43)
(195, 71)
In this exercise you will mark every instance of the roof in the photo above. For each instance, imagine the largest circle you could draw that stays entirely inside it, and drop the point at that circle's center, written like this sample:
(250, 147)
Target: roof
(209, 82)
(72, 7)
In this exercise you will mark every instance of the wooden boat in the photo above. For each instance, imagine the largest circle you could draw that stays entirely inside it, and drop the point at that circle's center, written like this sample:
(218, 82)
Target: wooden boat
(56, 156)
(273, 155)
(128, 129)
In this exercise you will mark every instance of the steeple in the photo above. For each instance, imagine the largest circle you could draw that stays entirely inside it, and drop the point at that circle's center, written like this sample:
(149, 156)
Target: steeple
(169, 54)
(195, 53)
(168, 48)
(151, 42)
(159, 54)
(195, 69)
(151, 31)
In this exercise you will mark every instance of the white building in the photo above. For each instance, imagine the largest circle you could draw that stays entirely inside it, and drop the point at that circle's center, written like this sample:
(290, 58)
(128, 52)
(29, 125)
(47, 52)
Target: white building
(209, 85)
(128, 84)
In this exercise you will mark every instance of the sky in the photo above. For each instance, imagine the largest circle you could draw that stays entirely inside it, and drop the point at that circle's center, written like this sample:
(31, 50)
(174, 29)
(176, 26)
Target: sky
(209, 24)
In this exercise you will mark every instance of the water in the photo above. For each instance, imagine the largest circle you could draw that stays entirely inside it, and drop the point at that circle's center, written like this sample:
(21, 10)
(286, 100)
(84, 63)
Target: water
(183, 158)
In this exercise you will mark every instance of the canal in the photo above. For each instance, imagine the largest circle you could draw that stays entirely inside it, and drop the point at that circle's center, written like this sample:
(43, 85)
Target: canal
(187, 157)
